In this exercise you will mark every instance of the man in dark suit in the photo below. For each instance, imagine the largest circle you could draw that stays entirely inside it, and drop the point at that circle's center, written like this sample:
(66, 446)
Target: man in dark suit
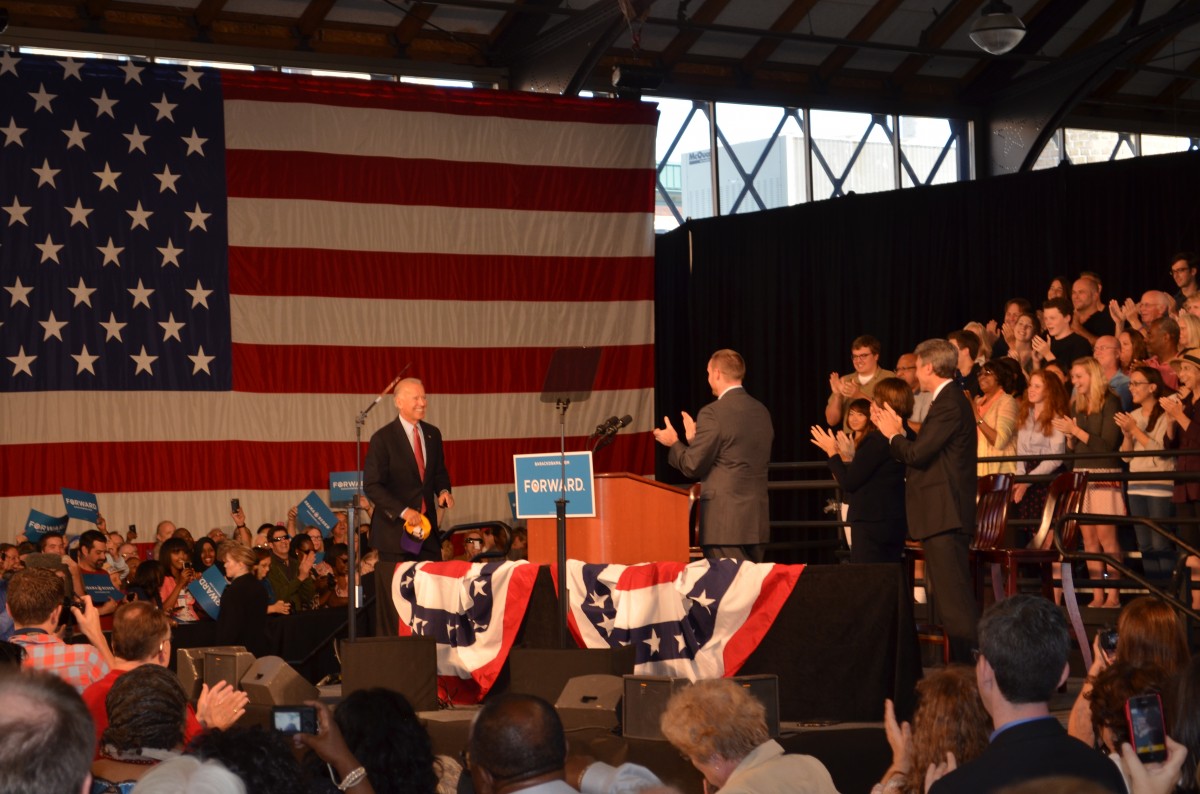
(939, 489)
(405, 476)
(1023, 648)
(728, 448)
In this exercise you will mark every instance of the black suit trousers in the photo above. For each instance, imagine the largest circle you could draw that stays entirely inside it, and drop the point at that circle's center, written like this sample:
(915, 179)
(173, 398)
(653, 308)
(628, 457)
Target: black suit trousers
(948, 575)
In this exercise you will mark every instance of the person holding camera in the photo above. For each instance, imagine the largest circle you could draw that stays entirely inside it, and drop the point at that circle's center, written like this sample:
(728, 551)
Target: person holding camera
(36, 601)
(178, 574)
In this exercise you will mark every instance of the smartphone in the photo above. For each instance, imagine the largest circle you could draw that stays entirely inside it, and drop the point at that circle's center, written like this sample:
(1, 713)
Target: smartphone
(1108, 640)
(294, 719)
(1146, 728)
(235, 505)
(132, 533)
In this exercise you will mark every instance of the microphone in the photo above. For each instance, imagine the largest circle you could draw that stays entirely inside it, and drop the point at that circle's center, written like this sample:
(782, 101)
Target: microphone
(610, 434)
(605, 426)
(624, 421)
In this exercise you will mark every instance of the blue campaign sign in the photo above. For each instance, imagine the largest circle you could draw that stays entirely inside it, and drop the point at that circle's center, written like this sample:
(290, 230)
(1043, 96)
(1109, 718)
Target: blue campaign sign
(539, 481)
(315, 513)
(39, 524)
(207, 590)
(81, 504)
(343, 485)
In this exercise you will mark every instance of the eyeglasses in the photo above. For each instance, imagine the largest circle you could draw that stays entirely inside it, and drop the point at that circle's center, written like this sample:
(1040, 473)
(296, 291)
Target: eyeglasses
(1177, 270)
(474, 541)
(905, 369)
(1133, 383)
(861, 356)
(278, 539)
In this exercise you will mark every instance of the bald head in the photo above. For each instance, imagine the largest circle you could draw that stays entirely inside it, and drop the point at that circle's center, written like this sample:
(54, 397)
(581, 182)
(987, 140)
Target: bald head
(516, 738)
(1085, 294)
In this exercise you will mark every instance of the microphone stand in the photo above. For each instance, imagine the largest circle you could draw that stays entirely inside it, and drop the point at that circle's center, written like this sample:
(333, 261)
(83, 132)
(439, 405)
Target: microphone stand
(356, 594)
(560, 525)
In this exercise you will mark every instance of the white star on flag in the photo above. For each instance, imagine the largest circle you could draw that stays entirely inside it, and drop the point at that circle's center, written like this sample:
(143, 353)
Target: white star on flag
(71, 69)
(84, 361)
(140, 217)
(199, 295)
(191, 78)
(171, 328)
(13, 133)
(75, 136)
(198, 217)
(82, 293)
(42, 99)
(46, 174)
(19, 293)
(49, 249)
(52, 327)
(110, 252)
(167, 180)
(170, 254)
(16, 212)
(143, 361)
(195, 144)
(165, 109)
(79, 213)
(136, 140)
(104, 105)
(112, 328)
(132, 72)
(8, 63)
(140, 295)
(200, 361)
(21, 362)
(108, 177)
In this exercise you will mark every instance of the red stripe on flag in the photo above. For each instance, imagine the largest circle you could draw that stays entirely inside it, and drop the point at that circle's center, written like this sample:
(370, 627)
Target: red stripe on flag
(439, 183)
(636, 577)
(520, 590)
(437, 276)
(107, 467)
(262, 368)
(776, 588)
(398, 96)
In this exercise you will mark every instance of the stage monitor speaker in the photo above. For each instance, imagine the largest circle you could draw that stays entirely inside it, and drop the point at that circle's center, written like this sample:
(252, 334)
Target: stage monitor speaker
(765, 689)
(590, 700)
(189, 666)
(407, 665)
(228, 666)
(545, 671)
(271, 681)
(646, 699)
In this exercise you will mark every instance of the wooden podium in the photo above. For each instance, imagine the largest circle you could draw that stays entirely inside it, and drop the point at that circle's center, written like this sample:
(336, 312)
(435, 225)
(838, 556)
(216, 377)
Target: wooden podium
(637, 520)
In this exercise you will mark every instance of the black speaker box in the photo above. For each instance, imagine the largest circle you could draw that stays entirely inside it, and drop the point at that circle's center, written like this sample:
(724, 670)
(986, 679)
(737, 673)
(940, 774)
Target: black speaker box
(646, 699)
(271, 681)
(230, 666)
(545, 672)
(407, 665)
(189, 666)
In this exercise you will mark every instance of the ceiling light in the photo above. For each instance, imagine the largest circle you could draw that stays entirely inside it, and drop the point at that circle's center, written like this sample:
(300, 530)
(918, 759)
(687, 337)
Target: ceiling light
(998, 29)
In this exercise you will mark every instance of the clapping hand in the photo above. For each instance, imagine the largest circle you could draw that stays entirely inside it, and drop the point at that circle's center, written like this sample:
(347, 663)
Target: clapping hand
(886, 420)
(825, 440)
(689, 427)
(667, 435)
(1125, 421)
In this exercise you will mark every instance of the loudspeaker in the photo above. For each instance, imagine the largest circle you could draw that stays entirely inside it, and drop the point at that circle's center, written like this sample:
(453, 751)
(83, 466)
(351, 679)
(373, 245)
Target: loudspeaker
(229, 666)
(645, 700)
(407, 665)
(590, 700)
(189, 666)
(271, 681)
(765, 689)
(545, 672)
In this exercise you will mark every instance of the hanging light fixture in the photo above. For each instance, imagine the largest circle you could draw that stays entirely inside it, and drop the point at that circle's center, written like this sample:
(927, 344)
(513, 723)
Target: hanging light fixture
(998, 29)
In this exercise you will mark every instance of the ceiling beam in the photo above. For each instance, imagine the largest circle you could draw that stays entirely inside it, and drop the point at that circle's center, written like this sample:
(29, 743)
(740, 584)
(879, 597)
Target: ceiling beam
(207, 12)
(865, 28)
(1177, 87)
(412, 24)
(689, 34)
(313, 15)
(1096, 31)
(936, 35)
(786, 22)
(1117, 81)
(520, 26)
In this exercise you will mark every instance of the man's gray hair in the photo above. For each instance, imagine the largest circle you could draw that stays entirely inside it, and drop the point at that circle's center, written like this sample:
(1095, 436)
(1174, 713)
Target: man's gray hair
(941, 354)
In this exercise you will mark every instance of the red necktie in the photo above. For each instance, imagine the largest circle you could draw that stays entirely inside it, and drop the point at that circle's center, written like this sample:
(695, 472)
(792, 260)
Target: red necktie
(420, 456)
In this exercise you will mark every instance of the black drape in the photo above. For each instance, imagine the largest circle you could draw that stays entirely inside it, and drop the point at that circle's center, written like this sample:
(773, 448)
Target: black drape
(790, 288)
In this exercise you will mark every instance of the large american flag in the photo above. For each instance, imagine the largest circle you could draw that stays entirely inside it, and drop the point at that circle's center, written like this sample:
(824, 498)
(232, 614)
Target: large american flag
(206, 275)
(695, 621)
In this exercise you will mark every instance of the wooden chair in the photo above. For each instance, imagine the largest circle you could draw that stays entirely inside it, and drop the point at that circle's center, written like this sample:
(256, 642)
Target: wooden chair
(1065, 496)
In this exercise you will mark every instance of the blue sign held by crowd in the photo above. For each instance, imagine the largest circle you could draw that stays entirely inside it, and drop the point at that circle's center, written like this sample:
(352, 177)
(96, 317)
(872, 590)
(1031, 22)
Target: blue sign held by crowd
(39, 524)
(81, 504)
(207, 590)
(315, 513)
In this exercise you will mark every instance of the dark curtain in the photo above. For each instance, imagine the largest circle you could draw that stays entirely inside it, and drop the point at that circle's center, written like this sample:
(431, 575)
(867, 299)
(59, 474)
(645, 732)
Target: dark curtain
(790, 288)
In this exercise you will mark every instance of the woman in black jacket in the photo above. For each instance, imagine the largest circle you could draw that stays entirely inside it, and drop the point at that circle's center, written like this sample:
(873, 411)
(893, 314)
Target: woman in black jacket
(872, 481)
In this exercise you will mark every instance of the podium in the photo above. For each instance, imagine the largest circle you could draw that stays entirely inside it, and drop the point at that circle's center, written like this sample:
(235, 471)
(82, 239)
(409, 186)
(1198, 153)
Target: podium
(637, 520)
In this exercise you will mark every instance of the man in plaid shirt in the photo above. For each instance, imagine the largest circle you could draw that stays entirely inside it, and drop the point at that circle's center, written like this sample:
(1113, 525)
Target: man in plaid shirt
(35, 601)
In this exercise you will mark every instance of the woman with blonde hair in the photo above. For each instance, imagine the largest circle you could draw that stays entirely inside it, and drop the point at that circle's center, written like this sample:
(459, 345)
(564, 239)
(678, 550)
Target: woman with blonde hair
(722, 729)
(1092, 427)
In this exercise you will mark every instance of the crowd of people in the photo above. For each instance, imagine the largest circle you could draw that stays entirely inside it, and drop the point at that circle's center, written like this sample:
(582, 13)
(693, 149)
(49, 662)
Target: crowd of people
(1071, 381)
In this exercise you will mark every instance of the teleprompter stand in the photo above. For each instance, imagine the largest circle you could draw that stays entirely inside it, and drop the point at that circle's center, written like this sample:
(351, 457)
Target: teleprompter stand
(569, 378)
